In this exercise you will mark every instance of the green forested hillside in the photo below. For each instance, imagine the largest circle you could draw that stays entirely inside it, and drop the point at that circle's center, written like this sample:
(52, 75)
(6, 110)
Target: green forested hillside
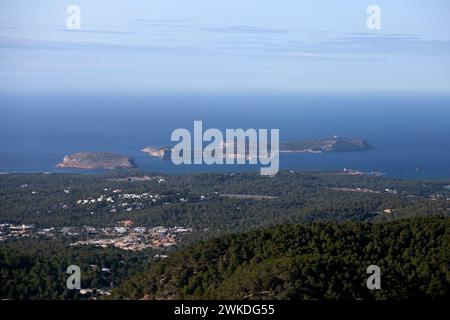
(307, 261)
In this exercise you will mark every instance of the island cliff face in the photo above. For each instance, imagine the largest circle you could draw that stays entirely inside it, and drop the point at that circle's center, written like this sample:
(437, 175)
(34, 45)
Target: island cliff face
(96, 160)
(163, 153)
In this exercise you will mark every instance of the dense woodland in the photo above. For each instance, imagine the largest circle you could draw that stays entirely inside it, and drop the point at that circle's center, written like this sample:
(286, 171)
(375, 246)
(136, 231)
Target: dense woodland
(308, 249)
(308, 261)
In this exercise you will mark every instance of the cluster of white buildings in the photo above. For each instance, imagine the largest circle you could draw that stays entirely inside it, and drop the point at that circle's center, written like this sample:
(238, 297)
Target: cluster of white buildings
(134, 238)
(11, 231)
(123, 236)
(127, 201)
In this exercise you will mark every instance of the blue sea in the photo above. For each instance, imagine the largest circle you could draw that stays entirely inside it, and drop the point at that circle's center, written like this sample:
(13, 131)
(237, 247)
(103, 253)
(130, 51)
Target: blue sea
(408, 131)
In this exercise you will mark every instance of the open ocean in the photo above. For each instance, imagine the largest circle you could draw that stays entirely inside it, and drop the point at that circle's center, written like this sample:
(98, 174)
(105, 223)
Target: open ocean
(408, 132)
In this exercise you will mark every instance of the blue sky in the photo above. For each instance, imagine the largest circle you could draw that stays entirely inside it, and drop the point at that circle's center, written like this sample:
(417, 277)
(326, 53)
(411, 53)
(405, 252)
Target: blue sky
(225, 46)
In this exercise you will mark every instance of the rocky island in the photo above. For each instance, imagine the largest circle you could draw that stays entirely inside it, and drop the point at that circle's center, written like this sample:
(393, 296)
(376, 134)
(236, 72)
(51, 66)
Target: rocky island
(96, 160)
(333, 144)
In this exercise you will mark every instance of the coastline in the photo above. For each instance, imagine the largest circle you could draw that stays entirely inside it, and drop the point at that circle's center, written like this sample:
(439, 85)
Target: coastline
(140, 170)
